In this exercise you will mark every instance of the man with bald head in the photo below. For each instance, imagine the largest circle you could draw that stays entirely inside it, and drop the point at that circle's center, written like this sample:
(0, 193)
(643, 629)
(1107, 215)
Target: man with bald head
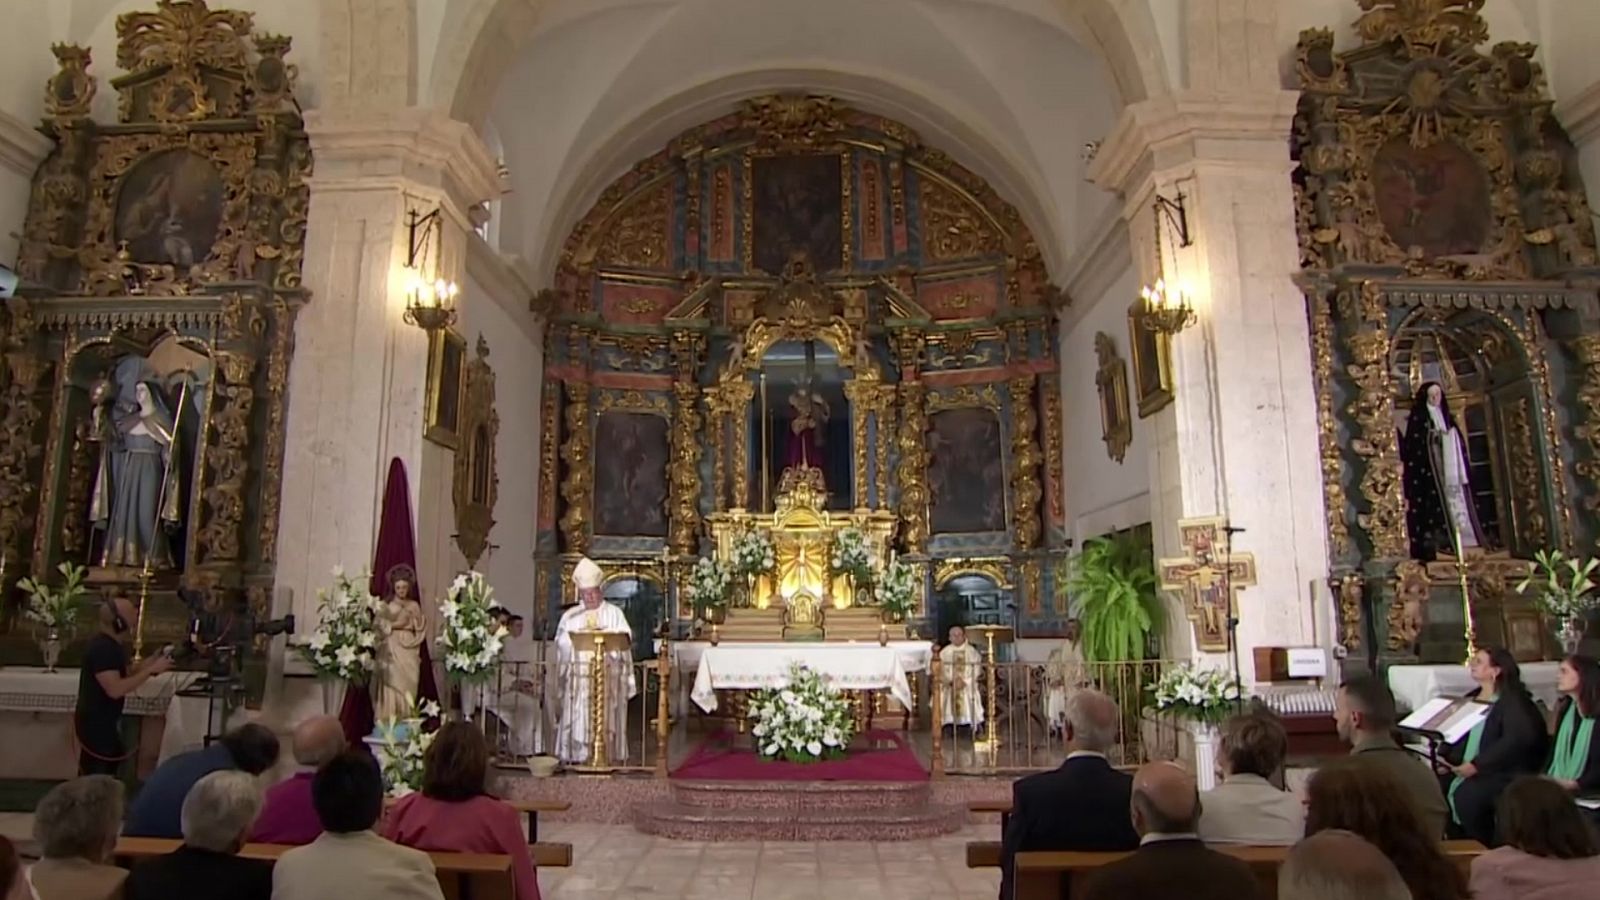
(1339, 865)
(1083, 805)
(104, 682)
(1171, 860)
(287, 815)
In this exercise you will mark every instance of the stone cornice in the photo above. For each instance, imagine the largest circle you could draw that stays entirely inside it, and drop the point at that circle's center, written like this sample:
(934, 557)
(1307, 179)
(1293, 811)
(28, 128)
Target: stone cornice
(1173, 130)
(507, 283)
(22, 147)
(1580, 115)
(352, 147)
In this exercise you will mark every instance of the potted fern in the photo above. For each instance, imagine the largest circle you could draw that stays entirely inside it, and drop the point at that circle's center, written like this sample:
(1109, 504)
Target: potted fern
(1113, 584)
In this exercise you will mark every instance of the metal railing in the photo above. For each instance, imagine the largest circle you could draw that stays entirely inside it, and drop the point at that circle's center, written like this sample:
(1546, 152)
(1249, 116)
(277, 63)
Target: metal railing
(524, 717)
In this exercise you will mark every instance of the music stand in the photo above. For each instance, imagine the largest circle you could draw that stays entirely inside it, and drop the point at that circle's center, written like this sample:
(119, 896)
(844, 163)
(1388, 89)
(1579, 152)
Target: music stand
(992, 636)
(599, 643)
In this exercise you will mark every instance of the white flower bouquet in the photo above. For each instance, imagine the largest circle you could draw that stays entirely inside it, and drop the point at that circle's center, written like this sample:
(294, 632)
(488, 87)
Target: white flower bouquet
(1203, 695)
(753, 553)
(896, 586)
(1565, 584)
(400, 746)
(342, 646)
(851, 557)
(56, 609)
(804, 721)
(470, 637)
(708, 585)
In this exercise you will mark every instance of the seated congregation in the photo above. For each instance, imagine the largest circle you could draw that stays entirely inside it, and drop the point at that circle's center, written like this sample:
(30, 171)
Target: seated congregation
(201, 827)
(1496, 818)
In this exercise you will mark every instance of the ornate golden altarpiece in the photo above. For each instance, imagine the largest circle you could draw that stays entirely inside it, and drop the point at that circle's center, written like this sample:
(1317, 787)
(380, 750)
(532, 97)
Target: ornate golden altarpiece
(799, 248)
(166, 245)
(1445, 237)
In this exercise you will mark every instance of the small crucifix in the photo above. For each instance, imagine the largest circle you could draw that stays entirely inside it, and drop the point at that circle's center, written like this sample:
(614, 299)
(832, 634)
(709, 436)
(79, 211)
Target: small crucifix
(1209, 579)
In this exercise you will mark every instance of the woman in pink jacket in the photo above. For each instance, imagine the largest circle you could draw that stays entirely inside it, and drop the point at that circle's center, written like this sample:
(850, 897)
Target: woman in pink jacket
(454, 813)
(1550, 852)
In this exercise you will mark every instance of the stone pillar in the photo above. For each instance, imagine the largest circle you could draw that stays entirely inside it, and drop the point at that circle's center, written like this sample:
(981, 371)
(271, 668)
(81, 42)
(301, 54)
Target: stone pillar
(359, 375)
(1240, 438)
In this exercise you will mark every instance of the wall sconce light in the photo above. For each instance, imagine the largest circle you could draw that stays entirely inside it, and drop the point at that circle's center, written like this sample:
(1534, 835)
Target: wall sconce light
(430, 305)
(1167, 309)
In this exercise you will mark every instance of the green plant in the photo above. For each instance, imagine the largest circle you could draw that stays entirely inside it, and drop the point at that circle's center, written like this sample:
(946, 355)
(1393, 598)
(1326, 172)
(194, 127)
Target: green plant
(1564, 583)
(56, 608)
(1113, 582)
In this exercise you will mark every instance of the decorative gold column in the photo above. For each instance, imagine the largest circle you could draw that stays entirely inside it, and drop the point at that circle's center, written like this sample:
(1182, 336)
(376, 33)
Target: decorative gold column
(1588, 431)
(936, 712)
(1050, 393)
(1327, 426)
(883, 410)
(579, 483)
(1373, 410)
(549, 444)
(913, 466)
(860, 393)
(684, 471)
(232, 401)
(1025, 457)
(737, 395)
(19, 444)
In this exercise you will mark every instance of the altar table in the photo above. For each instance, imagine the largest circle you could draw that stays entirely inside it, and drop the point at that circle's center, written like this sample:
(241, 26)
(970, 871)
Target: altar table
(851, 667)
(1416, 685)
(36, 715)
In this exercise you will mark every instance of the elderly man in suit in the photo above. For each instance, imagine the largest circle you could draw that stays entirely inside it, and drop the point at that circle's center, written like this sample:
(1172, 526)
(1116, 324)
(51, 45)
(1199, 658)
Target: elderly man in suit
(1247, 808)
(350, 861)
(1171, 860)
(1083, 805)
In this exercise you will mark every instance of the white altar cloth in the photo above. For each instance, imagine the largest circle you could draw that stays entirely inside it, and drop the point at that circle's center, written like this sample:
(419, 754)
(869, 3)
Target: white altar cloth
(915, 656)
(29, 689)
(1416, 685)
(851, 667)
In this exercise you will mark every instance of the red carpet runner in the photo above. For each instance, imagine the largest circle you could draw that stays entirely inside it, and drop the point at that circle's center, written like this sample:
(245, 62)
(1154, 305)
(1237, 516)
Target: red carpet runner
(874, 756)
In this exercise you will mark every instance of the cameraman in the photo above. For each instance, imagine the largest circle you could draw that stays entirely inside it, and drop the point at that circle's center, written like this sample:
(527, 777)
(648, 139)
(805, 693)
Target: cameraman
(103, 683)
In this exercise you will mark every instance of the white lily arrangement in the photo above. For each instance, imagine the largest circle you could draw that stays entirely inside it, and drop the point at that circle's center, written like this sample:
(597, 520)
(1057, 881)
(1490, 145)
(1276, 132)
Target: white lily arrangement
(895, 585)
(851, 557)
(1565, 583)
(803, 721)
(342, 646)
(753, 553)
(708, 584)
(56, 609)
(1205, 695)
(400, 747)
(469, 636)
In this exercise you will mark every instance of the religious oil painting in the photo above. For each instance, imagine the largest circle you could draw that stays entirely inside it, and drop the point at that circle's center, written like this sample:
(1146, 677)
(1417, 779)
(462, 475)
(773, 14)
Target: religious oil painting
(798, 208)
(169, 209)
(1152, 363)
(1433, 198)
(630, 475)
(966, 472)
(446, 381)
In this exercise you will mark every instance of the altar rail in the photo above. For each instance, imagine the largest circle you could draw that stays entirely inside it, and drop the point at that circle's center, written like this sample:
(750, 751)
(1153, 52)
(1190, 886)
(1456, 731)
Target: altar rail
(524, 702)
(1028, 739)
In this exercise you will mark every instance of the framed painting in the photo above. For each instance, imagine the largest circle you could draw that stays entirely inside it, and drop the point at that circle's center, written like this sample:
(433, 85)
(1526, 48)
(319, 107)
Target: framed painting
(1152, 363)
(1111, 381)
(630, 476)
(447, 366)
(966, 471)
(798, 208)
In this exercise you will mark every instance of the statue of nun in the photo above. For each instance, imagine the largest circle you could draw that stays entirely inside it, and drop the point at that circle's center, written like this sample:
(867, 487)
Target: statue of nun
(128, 502)
(1440, 517)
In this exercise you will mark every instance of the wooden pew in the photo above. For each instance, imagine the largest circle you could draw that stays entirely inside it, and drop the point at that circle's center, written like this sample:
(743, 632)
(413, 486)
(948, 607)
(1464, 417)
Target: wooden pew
(983, 854)
(533, 807)
(462, 876)
(1003, 807)
(1039, 875)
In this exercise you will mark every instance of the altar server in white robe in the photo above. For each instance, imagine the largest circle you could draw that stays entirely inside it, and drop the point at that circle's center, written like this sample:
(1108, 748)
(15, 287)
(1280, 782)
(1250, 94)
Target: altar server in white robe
(960, 665)
(1064, 673)
(518, 704)
(591, 614)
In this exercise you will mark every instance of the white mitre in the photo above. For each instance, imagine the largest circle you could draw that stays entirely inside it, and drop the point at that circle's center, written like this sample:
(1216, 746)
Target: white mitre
(586, 575)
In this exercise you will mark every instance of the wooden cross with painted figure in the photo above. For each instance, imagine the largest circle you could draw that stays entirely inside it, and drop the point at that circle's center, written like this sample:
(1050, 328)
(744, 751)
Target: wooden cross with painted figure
(1209, 579)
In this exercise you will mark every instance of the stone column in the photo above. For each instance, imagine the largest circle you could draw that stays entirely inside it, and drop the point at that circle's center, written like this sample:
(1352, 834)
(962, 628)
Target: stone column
(359, 375)
(1240, 438)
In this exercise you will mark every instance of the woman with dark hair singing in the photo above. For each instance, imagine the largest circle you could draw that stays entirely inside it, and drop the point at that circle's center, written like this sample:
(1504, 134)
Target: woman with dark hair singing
(1575, 757)
(1510, 741)
(1359, 796)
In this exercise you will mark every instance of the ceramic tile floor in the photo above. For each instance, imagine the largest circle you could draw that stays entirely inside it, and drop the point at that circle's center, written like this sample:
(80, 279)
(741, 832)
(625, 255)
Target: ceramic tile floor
(614, 862)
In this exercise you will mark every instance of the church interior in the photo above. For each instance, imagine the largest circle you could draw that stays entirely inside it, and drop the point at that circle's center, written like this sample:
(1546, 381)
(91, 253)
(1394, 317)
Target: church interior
(767, 424)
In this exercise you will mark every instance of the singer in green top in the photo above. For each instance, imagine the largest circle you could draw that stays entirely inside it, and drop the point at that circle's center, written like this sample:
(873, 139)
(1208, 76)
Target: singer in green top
(1510, 741)
(1575, 758)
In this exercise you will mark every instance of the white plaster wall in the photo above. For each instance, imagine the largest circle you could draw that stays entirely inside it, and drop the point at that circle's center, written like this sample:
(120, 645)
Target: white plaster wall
(1101, 494)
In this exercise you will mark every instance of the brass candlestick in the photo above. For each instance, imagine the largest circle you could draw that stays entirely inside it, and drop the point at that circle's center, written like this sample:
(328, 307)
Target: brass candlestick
(1466, 595)
(993, 735)
(597, 708)
(144, 598)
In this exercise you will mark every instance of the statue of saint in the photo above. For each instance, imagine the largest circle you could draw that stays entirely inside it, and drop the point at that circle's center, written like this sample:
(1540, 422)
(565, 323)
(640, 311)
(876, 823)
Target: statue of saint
(135, 492)
(805, 428)
(402, 629)
(1440, 516)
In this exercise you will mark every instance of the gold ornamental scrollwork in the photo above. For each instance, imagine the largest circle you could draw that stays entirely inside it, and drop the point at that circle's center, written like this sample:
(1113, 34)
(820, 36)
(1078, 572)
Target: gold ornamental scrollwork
(1407, 614)
(883, 411)
(1587, 431)
(636, 236)
(1025, 458)
(1352, 597)
(1532, 523)
(913, 470)
(549, 439)
(995, 568)
(283, 317)
(22, 377)
(965, 397)
(70, 92)
(737, 395)
(577, 489)
(634, 401)
(1333, 493)
(1053, 450)
(1372, 408)
(684, 469)
(957, 227)
(860, 394)
(476, 484)
(227, 457)
(1436, 24)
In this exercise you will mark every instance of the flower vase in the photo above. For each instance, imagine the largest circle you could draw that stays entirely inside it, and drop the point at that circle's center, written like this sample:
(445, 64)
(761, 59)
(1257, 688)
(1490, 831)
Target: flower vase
(1207, 743)
(50, 648)
(332, 695)
(1571, 634)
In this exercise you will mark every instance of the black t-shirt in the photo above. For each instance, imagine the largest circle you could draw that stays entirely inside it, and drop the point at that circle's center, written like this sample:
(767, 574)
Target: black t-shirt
(98, 713)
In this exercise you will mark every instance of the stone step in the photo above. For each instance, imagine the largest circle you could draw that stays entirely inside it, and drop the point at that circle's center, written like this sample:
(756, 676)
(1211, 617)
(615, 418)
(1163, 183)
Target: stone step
(844, 823)
(802, 796)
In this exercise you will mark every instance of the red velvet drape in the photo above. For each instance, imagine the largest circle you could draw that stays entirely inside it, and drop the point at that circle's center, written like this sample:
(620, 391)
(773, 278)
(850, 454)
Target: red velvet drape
(397, 546)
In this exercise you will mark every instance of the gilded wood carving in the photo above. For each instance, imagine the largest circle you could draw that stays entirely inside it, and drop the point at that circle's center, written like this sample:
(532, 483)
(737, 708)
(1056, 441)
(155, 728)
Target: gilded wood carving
(1111, 382)
(475, 486)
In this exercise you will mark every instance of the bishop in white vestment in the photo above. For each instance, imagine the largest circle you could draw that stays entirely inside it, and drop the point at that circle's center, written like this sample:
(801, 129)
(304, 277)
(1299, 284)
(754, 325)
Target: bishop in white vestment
(960, 664)
(573, 725)
(1064, 673)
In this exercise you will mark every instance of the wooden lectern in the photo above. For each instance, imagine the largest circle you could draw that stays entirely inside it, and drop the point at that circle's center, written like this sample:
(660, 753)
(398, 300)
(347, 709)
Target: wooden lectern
(599, 643)
(993, 636)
